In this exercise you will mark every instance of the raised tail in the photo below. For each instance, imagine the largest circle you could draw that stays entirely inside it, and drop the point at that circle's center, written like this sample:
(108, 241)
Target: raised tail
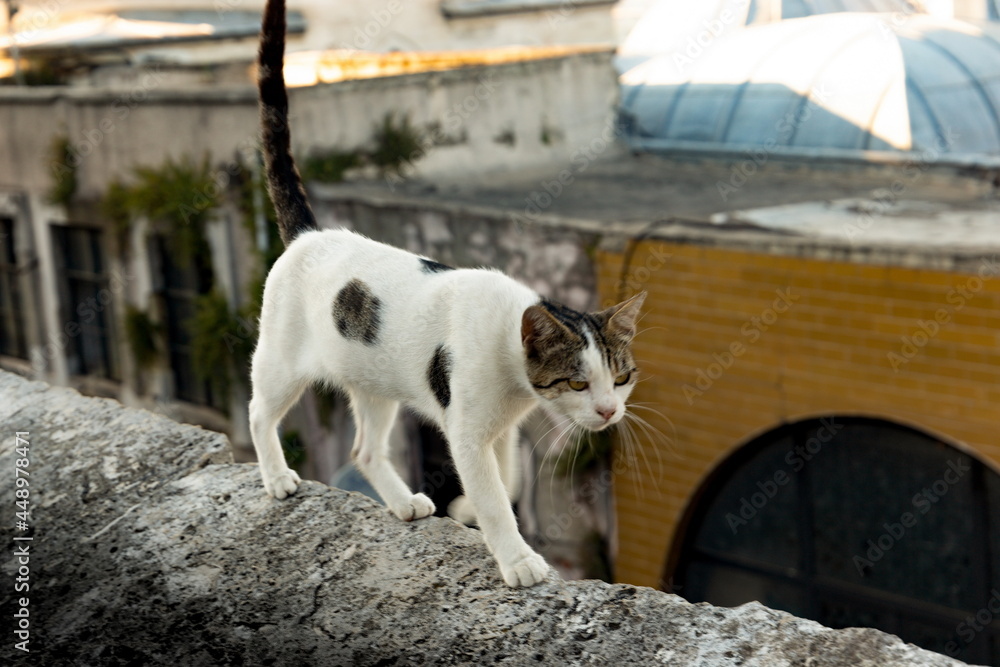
(283, 180)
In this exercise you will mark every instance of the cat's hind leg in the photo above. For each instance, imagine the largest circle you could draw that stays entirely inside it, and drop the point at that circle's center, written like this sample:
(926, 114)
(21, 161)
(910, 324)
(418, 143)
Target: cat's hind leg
(275, 390)
(373, 419)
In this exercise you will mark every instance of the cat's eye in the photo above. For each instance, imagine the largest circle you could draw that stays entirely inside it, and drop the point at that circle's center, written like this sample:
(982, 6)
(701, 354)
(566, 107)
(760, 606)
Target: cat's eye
(623, 378)
(577, 385)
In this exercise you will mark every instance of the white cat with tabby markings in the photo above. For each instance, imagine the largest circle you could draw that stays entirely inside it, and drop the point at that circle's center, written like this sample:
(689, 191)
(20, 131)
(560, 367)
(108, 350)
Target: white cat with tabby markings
(472, 350)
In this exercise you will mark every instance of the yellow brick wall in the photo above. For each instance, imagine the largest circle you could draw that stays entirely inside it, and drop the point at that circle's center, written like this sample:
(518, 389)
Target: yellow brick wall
(827, 354)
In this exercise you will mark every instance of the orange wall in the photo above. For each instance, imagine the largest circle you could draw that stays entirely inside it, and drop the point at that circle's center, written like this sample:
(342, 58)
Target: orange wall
(827, 353)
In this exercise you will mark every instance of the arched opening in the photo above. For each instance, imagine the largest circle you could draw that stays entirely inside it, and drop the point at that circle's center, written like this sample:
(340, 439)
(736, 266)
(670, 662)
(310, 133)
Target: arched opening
(852, 522)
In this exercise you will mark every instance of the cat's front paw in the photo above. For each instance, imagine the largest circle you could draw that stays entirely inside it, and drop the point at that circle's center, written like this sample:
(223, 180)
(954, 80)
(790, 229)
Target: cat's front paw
(461, 510)
(526, 570)
(416, 507)
(282, 484)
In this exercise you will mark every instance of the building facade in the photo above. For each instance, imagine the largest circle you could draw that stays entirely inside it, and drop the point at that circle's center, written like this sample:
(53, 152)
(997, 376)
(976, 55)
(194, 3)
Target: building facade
(825, 432)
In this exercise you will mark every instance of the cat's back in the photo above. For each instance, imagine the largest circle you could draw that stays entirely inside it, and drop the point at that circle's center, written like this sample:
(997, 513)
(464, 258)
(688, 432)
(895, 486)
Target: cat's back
(330, 259)
(373, 315)
(318, 251)
(320, 261)
(322, 269)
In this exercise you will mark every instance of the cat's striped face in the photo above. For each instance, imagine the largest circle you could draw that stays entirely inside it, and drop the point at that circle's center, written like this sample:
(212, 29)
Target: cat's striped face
(581, 364)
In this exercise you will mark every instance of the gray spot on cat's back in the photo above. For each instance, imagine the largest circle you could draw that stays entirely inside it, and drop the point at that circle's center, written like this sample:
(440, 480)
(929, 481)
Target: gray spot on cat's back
(357, 312)
(439, 375)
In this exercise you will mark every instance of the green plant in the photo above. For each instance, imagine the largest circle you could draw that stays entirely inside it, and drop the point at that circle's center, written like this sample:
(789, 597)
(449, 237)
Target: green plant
(43, 72)
(177, 197)
(295, 451)
(396, 144)
(252, 200)
(506, 137)
(209, 349)
(143, 337)
(241, 338)
(251, 193)
(116, 207)
(329, 166)
(63, 165)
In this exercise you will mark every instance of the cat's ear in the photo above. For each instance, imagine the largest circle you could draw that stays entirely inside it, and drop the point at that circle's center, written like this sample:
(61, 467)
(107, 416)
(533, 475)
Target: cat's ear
(620, 319)
(540, 330)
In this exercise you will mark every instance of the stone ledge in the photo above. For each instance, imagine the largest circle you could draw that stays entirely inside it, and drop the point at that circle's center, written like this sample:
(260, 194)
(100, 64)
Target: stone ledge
(150, 548)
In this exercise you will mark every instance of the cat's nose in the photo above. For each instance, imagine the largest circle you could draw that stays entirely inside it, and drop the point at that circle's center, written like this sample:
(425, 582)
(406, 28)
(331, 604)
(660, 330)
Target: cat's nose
(606, 413)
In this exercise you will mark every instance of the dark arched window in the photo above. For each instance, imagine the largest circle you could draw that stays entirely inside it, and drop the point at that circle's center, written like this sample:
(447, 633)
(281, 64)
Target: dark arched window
(853, 522)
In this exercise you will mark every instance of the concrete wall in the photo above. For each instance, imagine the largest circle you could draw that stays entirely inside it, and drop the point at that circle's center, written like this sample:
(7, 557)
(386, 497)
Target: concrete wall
(146, 545)
(482, 120)
(382, 25)
(491, 118)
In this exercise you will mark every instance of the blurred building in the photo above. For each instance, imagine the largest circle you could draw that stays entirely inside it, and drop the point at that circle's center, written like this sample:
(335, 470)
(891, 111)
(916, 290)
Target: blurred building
(808, 194)
(830, 426)
(77, 35)
(833, 363)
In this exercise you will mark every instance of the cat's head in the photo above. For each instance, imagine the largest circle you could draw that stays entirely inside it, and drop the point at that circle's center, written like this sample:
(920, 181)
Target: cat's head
(581, 364)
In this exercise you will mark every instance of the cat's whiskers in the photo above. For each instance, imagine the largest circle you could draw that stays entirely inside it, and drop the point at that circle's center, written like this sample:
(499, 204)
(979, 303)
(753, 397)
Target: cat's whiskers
(636, 453)
(578, 444)
(559, 450)
(650, 432)
(629, 443)
(638, 447)
(634, 431)
(639, 333)
(552, 448)
(543, 438)
(633, 420)
(661, 437)
(654, 435)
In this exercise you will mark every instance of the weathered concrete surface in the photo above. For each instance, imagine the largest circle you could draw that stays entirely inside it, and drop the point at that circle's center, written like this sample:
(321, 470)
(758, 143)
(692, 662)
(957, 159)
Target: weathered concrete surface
(150, 549)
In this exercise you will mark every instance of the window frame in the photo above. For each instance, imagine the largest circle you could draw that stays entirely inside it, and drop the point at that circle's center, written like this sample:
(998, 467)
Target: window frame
(13, 322)
(901, 611)
(71, 280)
(171, 298)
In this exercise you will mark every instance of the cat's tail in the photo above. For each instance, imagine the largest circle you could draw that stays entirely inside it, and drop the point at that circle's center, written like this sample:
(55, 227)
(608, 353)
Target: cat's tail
(283, 180)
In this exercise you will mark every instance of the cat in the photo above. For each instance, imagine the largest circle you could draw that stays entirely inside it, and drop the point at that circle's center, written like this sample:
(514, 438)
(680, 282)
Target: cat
(471, 350)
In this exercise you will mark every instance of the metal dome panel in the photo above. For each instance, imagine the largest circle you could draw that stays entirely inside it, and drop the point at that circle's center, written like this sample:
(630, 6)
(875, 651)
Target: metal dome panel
(845, 81)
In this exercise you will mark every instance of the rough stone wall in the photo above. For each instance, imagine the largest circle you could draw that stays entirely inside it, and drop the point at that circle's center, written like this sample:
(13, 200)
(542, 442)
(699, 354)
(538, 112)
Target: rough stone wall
(150, 548)
(515, 116)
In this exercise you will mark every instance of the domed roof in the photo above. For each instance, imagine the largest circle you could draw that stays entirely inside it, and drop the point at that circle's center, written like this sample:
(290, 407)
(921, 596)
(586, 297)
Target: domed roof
(661, 26)
(840, 82)
(794, 9)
